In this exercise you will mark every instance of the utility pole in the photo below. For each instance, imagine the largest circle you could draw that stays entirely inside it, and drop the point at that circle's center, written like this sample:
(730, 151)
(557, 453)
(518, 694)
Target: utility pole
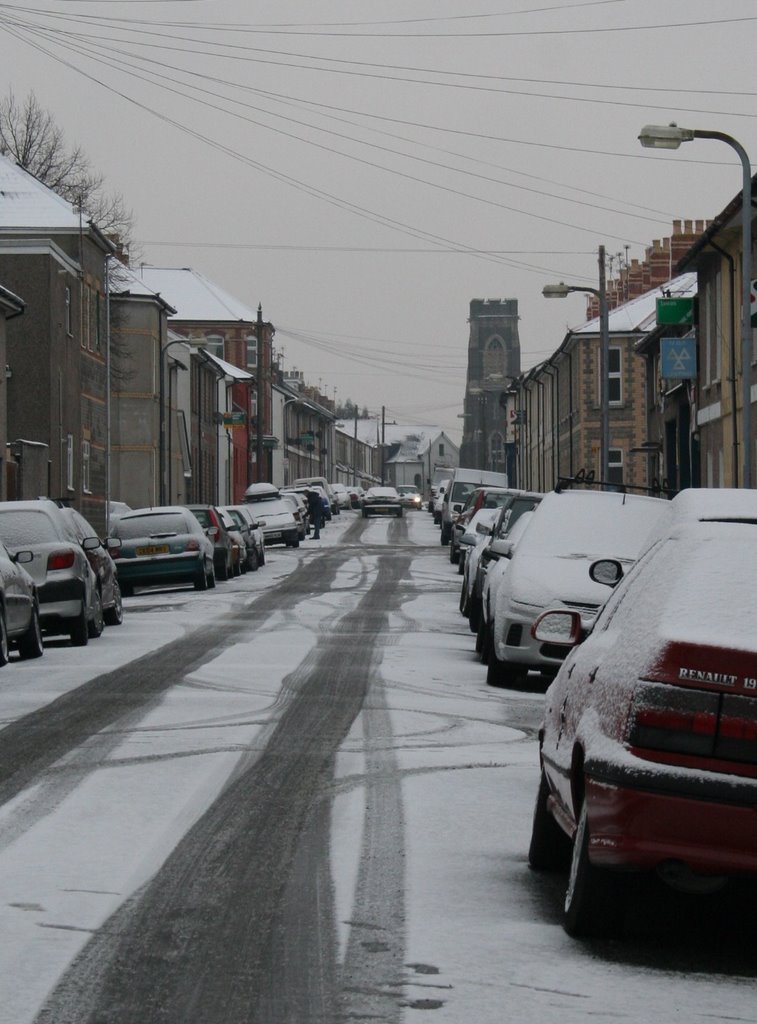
(383, 438)
(260, 397)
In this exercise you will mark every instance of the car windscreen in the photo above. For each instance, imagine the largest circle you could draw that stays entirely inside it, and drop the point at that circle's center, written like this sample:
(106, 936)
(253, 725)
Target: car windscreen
(27, 527)
(152, 525)
(461, 490)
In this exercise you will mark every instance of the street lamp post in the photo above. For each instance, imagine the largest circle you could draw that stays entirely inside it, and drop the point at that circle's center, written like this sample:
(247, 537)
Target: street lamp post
(670, 137)
(560, 291)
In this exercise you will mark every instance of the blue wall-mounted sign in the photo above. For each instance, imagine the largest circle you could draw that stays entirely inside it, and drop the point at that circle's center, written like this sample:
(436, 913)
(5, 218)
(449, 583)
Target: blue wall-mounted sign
(678, 358)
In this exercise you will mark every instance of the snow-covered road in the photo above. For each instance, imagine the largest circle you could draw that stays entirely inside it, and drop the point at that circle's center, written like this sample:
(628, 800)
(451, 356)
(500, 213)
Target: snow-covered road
(402, 886)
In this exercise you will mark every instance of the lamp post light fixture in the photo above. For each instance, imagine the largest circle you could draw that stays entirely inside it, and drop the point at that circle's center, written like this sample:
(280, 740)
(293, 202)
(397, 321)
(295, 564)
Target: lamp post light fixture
(561, 291)
(671, 136)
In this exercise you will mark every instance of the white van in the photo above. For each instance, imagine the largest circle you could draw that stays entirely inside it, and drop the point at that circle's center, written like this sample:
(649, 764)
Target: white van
(461, 483)
(321, 481)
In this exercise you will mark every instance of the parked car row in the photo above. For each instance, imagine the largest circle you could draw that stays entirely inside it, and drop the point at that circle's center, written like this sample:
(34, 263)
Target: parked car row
(638, 614)
(57, 577)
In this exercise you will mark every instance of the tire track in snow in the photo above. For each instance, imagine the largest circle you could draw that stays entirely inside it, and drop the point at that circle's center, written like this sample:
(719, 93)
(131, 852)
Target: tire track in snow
(237, 926)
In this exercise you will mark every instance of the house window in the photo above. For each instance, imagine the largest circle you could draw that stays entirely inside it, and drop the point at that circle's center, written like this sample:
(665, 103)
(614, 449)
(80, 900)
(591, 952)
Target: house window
(69, 331)
(615, 466)
(69, 455)
(87, 336)
(86, 452)
(214, 345)
(252, 351)
(441, 449)
(614, 377)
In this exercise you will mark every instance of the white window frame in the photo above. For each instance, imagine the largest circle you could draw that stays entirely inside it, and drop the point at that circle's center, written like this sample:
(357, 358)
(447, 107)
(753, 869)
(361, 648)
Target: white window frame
(252, 349)
(615, 461)
(612, 375)
(69, 456)
(86, 455)
(213, 342)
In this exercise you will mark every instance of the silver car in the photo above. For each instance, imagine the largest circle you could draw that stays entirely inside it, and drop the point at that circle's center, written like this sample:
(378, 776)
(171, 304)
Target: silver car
(69, 601)
(19, 607)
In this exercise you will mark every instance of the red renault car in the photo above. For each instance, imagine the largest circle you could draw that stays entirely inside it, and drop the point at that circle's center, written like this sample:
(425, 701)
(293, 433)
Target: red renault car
(649, 740)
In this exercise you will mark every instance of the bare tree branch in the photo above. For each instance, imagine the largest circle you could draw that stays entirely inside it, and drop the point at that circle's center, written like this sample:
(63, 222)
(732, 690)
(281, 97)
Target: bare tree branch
(29, 135)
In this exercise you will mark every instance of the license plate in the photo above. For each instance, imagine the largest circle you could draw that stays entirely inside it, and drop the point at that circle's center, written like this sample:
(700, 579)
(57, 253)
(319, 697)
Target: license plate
(153, 549)
(274, 536)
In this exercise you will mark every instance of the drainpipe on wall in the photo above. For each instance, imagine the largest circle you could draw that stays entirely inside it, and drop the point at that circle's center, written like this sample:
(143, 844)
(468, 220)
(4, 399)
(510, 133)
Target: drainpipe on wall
(732, 355)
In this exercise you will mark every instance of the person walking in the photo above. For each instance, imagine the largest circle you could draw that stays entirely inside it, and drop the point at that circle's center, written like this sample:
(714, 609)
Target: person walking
(315, 507)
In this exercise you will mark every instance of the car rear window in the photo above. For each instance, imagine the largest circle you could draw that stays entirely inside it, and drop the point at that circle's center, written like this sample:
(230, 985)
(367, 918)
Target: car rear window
(27, 527)
(151, 525)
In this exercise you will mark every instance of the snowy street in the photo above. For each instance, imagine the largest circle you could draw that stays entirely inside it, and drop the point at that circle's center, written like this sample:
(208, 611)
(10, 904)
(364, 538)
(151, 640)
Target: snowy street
(294, 799)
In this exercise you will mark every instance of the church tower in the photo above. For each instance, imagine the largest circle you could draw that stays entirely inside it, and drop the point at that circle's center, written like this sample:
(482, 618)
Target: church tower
(493, 358)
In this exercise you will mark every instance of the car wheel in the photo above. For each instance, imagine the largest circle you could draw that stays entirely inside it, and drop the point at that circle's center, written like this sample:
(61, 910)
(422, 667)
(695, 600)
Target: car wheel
(30, 644)
(474, 613)
(127, 589)
(594, 901)
(252, 561)
(454, 554)
(482, 640)
(550, 847)
(463, 602)
(502, 673)
(237, 568)
(79, 629)
(261, 558)
(211, 576)
(201, 580)
(460, 563)
(4, 647)
(365, 514)
(96, 624)
(223, 572)
(114, 615)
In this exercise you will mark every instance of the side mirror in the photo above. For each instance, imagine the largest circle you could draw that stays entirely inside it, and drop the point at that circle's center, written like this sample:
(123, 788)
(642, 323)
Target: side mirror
(558, 626)
(212, 532)
(607, 571)
(90, 543)
(23, 557)
(502, 547)
(261, 523)
(469, 539)
(483, 529)
(113, 543)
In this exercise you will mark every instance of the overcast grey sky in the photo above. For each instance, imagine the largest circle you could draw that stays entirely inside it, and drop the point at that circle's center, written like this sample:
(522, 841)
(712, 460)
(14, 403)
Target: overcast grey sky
(365, 169)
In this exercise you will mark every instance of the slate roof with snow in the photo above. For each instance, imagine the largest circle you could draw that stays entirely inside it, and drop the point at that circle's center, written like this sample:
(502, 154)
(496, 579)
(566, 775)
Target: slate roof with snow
(27, 203)
(194, 297)
(125, 281)
(640, 314)
(413, 440)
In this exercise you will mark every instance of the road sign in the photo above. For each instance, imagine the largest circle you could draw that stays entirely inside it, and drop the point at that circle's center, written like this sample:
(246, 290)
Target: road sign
(677, 310)
(678, 358)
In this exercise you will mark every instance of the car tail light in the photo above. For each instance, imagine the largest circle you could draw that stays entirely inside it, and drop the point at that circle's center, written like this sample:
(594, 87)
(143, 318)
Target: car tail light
(60, 560)
(675, 719)
(704, 723)
(192, 545)
(737, 734)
